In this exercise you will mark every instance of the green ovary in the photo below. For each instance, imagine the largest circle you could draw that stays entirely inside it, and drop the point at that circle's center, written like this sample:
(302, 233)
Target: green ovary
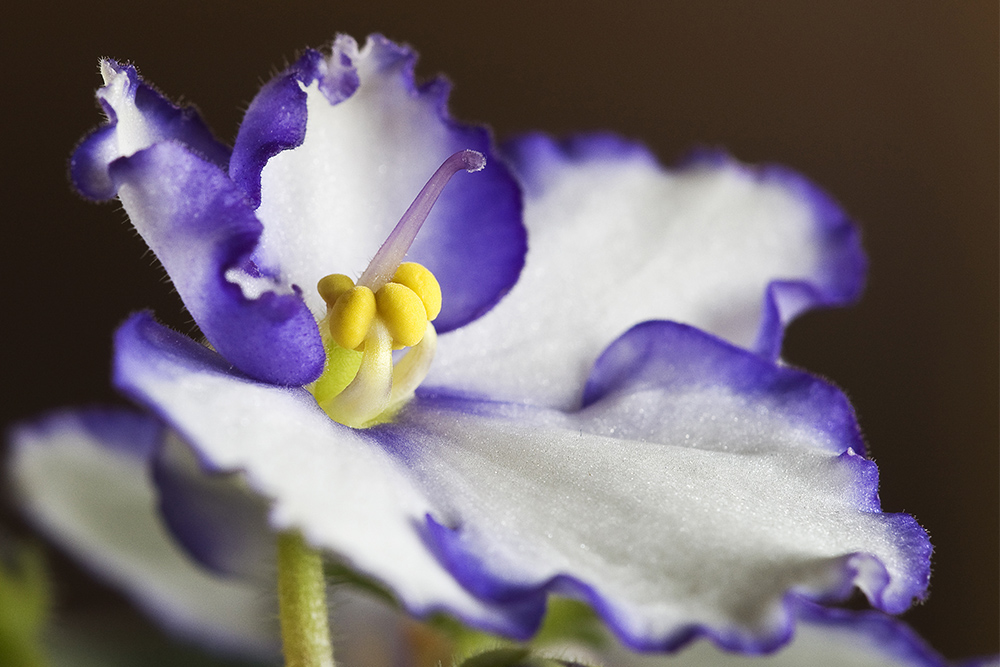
(341, 368)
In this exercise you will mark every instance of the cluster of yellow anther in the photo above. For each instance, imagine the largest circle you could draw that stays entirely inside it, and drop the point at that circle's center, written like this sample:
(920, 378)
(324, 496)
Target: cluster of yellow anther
(405, 305)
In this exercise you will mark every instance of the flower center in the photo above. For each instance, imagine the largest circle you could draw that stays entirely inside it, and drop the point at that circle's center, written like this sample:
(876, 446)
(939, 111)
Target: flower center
(390, 308)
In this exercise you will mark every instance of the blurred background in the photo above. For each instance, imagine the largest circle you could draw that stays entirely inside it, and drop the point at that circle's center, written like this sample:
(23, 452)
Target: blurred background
(890, 105)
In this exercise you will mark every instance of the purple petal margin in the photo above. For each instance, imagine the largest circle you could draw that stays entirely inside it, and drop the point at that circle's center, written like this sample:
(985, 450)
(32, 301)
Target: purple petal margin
(140, 330)
(276, 118)
(843, 266)
(92, 157)
(536, 154)
(199, 225)
(198, 237)
(471, 573)
(475, 242)
(671, 355)
(121, 430)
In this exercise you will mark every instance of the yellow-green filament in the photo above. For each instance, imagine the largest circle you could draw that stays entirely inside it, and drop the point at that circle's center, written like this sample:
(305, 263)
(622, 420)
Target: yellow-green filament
(410, 371)
(341, 367)
(368, 394)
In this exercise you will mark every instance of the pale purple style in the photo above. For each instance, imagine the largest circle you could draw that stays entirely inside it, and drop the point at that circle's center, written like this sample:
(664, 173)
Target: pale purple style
(605, 417)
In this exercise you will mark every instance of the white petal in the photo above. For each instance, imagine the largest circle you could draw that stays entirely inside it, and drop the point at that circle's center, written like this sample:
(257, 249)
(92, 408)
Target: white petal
(92, 495)
(696, 502)
(614, 240)
(328, 204)
(666, 514)
(345, 490)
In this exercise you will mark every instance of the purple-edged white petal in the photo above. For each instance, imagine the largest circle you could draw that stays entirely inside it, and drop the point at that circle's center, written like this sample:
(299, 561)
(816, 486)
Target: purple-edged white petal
(202, 230)
(138, 117)
(170, 176)
(276, 119)
(685, 505)
(823, 638)
(353, 140)
(699, 488)
(341, 487)
(615, 239)
(83, 478)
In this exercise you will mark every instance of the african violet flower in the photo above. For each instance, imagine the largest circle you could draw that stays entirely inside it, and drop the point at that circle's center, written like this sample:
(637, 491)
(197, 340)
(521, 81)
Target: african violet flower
(615, 428)
(71, 465)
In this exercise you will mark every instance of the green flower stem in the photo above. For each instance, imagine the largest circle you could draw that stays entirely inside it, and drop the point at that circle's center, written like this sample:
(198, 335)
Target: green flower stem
(305, 625)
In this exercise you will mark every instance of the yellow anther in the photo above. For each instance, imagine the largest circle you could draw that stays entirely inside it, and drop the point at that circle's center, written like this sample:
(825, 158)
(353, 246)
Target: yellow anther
(403, 313)
(423, 282)
(351, 317)
(333, 286)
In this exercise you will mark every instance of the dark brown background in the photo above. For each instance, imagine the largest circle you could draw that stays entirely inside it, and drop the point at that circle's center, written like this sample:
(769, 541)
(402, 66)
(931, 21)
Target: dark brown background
(890, 105)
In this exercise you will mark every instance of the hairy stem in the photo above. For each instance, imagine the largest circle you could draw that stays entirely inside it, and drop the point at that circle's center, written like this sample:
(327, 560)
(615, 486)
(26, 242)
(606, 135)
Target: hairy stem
(305, 625)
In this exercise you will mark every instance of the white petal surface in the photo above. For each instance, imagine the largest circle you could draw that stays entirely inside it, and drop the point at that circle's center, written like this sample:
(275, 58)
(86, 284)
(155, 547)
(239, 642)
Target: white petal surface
(614, 239)
(670, 513)
(93, 496)
(328, 204)
(344, 491)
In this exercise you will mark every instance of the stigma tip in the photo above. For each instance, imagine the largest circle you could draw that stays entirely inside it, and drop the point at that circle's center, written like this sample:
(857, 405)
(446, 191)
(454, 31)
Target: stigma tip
(473, 160)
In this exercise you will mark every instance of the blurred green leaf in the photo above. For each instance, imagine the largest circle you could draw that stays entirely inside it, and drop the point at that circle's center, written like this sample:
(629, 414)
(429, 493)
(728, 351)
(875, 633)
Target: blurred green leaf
(24, 604)
(467, 641)
(571, 621)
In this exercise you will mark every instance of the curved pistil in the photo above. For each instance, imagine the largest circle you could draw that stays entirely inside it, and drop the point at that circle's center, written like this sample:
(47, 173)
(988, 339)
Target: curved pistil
(391, 307)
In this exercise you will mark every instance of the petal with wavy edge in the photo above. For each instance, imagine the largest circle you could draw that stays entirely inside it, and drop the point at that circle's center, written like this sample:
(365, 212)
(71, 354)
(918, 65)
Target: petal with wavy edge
(339, 486)
(201, 228)
(347, 163)
(692, 507)
(169, 173)
(276, 119)
(699, 487)
(138, 117)
(615, 240)
(82, 477)
(668, 542)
